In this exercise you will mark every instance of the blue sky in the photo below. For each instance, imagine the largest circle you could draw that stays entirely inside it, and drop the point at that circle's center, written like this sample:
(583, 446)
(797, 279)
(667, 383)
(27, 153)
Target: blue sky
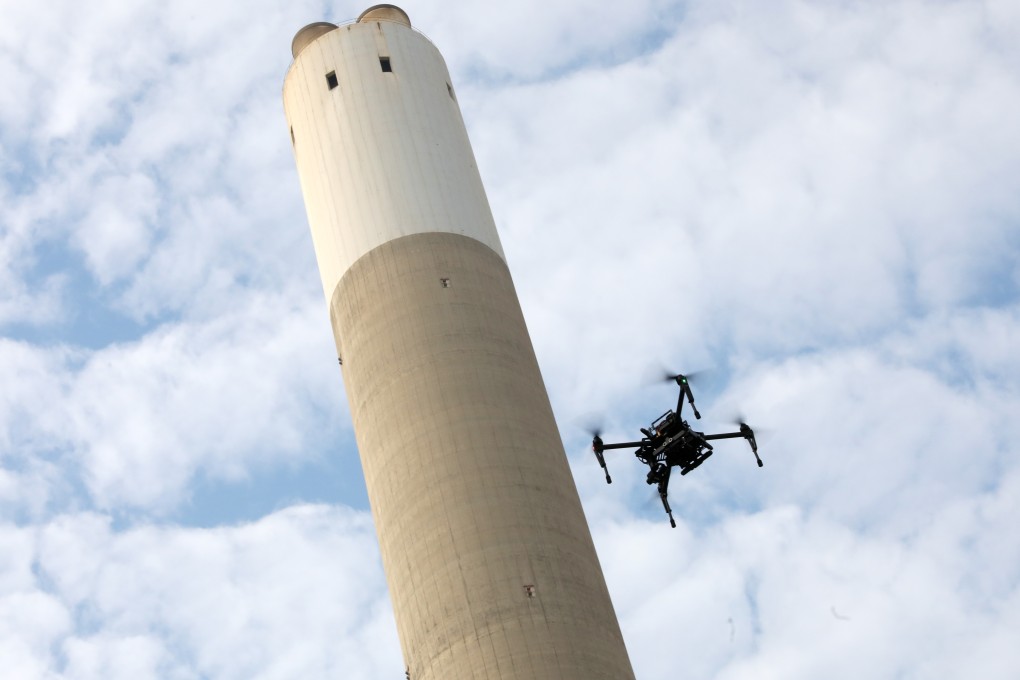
(819, 200)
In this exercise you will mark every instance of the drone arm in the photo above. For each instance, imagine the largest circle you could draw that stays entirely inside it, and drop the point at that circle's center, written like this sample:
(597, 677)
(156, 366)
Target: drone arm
(622, 445)
(598, 446)
(602, 462)
(663, 492)
(745, 433)
(685, 390)
(727, 435)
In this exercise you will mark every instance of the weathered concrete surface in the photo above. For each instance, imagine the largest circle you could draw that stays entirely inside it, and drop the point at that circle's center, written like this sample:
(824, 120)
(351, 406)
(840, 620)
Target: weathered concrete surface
(469, 485)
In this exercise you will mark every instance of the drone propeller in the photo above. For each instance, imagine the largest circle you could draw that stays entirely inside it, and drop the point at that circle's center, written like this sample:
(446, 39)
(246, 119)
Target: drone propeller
(667, 376)
(738, 418)
(594, 430)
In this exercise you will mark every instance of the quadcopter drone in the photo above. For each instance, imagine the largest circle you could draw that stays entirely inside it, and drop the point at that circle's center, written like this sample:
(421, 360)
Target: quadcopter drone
(670, 442)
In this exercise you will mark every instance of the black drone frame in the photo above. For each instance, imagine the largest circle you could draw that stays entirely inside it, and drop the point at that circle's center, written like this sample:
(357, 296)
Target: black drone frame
(670, 442)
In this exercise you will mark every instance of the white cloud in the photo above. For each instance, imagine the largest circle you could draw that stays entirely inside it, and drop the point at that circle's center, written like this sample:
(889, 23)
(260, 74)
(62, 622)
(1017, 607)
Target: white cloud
(216, 398)
(32, 381)
(115, 234)
(137, 127)
(297, 594)
(29, 622)
(781, 179)
(109, 656)
(138, 422)
(528, 40)
(32, 302)
(781, 594)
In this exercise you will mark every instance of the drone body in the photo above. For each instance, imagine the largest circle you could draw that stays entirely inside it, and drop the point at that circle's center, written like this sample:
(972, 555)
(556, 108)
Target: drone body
(670, 442)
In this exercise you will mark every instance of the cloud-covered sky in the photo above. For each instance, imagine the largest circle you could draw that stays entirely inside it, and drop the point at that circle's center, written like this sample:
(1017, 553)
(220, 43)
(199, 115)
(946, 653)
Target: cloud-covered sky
(818, 200)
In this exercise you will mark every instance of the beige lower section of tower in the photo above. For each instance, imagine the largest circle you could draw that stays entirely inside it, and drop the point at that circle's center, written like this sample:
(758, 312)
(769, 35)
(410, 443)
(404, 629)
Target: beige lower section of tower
(490, 563)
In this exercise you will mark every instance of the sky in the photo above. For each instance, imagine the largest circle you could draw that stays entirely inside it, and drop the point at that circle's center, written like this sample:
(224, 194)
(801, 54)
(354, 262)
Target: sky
(819, 201)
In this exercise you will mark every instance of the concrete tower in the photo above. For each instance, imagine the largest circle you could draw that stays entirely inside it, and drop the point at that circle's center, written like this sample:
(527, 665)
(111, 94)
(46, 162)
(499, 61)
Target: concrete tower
(489, 560)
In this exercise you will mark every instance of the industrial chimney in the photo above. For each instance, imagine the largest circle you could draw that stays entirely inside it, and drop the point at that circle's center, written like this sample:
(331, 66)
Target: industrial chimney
(487, 553)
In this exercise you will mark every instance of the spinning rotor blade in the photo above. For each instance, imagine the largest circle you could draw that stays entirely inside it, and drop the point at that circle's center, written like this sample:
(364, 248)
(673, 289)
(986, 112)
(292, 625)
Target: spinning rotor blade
(738, 419)
(666, 375)
(592, 422)
(661, 372)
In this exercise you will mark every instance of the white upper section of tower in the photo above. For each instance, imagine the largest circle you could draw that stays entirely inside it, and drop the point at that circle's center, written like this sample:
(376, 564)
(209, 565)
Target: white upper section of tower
(380, 144)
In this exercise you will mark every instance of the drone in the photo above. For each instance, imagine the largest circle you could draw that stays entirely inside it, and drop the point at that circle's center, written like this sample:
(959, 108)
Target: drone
(670, 442)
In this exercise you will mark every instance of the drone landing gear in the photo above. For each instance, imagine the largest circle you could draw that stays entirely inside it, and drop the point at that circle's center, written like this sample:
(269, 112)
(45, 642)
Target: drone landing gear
(598, 447)
(748, 433)
(663, 486)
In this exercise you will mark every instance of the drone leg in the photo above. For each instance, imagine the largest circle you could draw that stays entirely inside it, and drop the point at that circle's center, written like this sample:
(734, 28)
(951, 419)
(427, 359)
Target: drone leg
(669, 511)
(748, 433)
(685, 389)
(598, 447)
(602, 462)
(663, 489)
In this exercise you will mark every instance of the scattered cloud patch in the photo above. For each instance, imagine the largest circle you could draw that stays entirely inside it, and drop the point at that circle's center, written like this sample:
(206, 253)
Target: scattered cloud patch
(298, 593)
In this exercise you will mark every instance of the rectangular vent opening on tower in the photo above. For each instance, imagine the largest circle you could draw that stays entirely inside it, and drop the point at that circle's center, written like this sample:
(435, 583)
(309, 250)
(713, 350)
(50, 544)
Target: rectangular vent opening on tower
(331, 80)
(384, 62)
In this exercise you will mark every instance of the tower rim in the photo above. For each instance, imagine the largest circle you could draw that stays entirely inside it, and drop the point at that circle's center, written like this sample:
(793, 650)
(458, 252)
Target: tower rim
(309, 34)
(385, 12)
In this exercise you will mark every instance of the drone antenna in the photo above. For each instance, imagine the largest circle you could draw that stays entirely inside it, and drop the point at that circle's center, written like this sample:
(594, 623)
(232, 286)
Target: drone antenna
(685, 389)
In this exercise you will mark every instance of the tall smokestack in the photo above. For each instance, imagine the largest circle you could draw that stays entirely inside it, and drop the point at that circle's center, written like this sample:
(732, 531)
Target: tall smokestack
(489, 560)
